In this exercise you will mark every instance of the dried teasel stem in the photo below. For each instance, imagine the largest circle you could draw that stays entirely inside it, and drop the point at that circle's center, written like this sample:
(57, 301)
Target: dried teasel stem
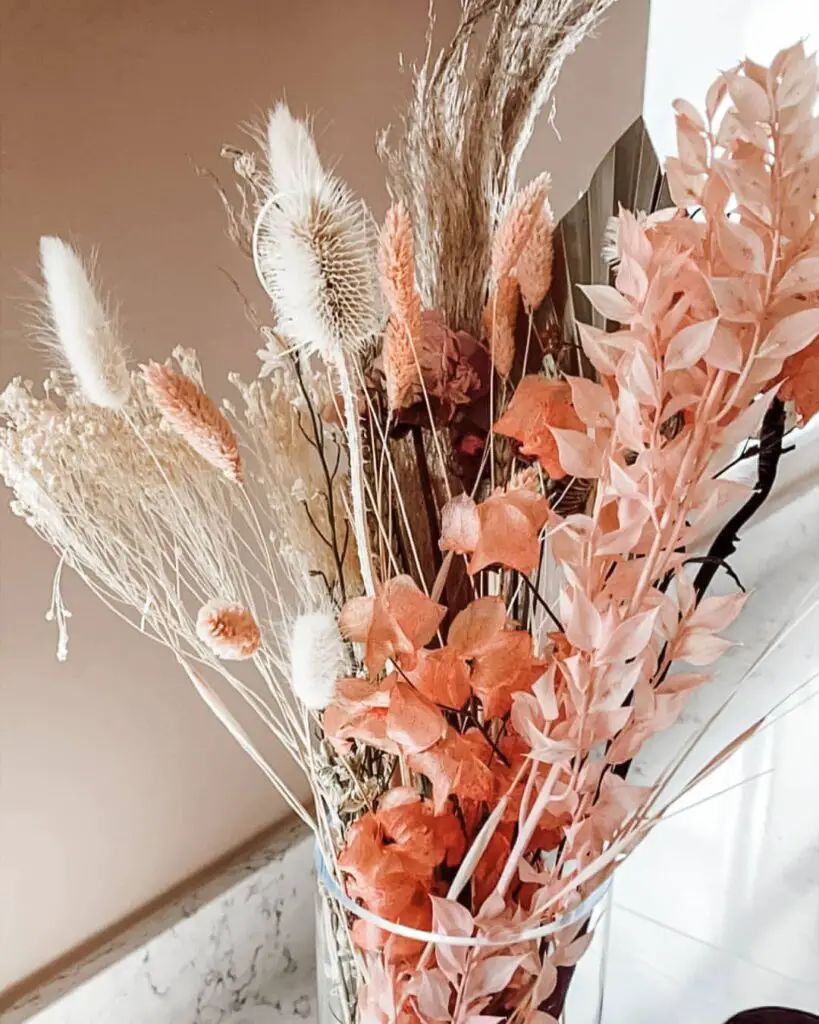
(362, 535)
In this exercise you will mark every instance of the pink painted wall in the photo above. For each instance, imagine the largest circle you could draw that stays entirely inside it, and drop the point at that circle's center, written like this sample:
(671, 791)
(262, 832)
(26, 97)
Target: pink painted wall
(115, 783)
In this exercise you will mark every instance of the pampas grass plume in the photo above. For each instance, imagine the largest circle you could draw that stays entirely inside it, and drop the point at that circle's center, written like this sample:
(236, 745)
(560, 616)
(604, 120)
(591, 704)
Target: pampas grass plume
(402, 337)
(228, 629)
(499, 319)
(398, 260)
(187, 409)
(517, 225)
(83, 327)
(318, 658)
(534, 268)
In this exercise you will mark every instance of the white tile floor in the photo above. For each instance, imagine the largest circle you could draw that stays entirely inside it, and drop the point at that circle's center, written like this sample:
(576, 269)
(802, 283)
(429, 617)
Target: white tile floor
(719, 909)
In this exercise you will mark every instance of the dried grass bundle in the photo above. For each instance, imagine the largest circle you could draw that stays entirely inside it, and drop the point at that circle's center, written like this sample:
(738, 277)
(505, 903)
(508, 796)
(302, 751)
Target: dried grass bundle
(470, 118)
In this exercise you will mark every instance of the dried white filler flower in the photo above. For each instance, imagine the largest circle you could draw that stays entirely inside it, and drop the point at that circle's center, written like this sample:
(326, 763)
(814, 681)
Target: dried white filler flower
(228, 629)
(83, 327)
(318, 658)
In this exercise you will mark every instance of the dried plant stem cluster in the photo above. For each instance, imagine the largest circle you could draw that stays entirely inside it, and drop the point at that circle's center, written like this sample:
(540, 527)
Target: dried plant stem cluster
(380, 551)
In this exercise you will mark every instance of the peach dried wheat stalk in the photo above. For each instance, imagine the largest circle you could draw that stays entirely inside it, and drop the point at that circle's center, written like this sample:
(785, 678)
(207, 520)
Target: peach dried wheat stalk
(188, 410)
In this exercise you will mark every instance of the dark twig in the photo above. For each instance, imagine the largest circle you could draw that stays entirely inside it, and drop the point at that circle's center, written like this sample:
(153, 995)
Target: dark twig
(770, 452)
(541, 602)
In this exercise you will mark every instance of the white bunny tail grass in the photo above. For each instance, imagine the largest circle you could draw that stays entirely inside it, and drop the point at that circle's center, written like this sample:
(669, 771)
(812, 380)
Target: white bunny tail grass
(318, 658)
(315, 249)
(83, 327)
(292, 156)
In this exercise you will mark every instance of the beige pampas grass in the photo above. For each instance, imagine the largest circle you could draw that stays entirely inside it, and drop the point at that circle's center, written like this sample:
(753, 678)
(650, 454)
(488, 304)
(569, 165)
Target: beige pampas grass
(314, 248)
(534, 267)
(318, 658)
(228, 629)
(190, 413)
(458, 150)
(83, 326)
(499, 319)
(516, 226)
(403, 334)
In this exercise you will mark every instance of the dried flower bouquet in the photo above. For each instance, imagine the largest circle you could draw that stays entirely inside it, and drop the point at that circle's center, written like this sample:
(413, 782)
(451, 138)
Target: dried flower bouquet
(448, 559)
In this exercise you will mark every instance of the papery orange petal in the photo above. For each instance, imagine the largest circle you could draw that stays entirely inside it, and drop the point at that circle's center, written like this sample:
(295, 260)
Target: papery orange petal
(490, 868)
(418, 615)
(442, 675)
(537, 405)
(460, 525)
(510, 531)
(413, 722)
(355, 618)
(503, 669)
(473, 629)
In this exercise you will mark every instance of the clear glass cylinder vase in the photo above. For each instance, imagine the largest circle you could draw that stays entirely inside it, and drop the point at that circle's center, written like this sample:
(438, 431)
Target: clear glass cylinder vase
(340, 968)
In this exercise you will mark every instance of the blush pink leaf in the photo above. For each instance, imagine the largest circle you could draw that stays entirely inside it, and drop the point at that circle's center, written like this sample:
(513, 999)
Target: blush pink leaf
(803, 276)
(716, 613)
(630, 638)
(608, 302)
(689, 345)
(592, 403)
(700, 647)
(741, 246)
(749, 98)
(579, 455)
(791, 334)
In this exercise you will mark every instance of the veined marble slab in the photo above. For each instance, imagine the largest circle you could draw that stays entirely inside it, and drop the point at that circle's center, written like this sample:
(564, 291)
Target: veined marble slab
(245, 957)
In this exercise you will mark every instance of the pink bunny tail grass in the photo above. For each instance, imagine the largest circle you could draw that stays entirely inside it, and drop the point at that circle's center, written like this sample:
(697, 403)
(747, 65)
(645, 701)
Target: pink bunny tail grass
(400, 365)
(516, 226)
(187, 409)
(397, 260)
(499, 318)
(228, 629)
(403, 333)
(534, 268)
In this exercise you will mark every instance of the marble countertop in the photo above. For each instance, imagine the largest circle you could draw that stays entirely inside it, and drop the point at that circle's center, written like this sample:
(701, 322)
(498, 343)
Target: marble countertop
(244, 957)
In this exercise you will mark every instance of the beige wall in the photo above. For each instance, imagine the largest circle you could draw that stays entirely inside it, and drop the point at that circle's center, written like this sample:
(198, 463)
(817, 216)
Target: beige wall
(114, 781)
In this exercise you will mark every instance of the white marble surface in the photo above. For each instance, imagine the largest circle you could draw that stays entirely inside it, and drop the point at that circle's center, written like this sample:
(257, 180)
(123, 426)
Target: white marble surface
(247, 957)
